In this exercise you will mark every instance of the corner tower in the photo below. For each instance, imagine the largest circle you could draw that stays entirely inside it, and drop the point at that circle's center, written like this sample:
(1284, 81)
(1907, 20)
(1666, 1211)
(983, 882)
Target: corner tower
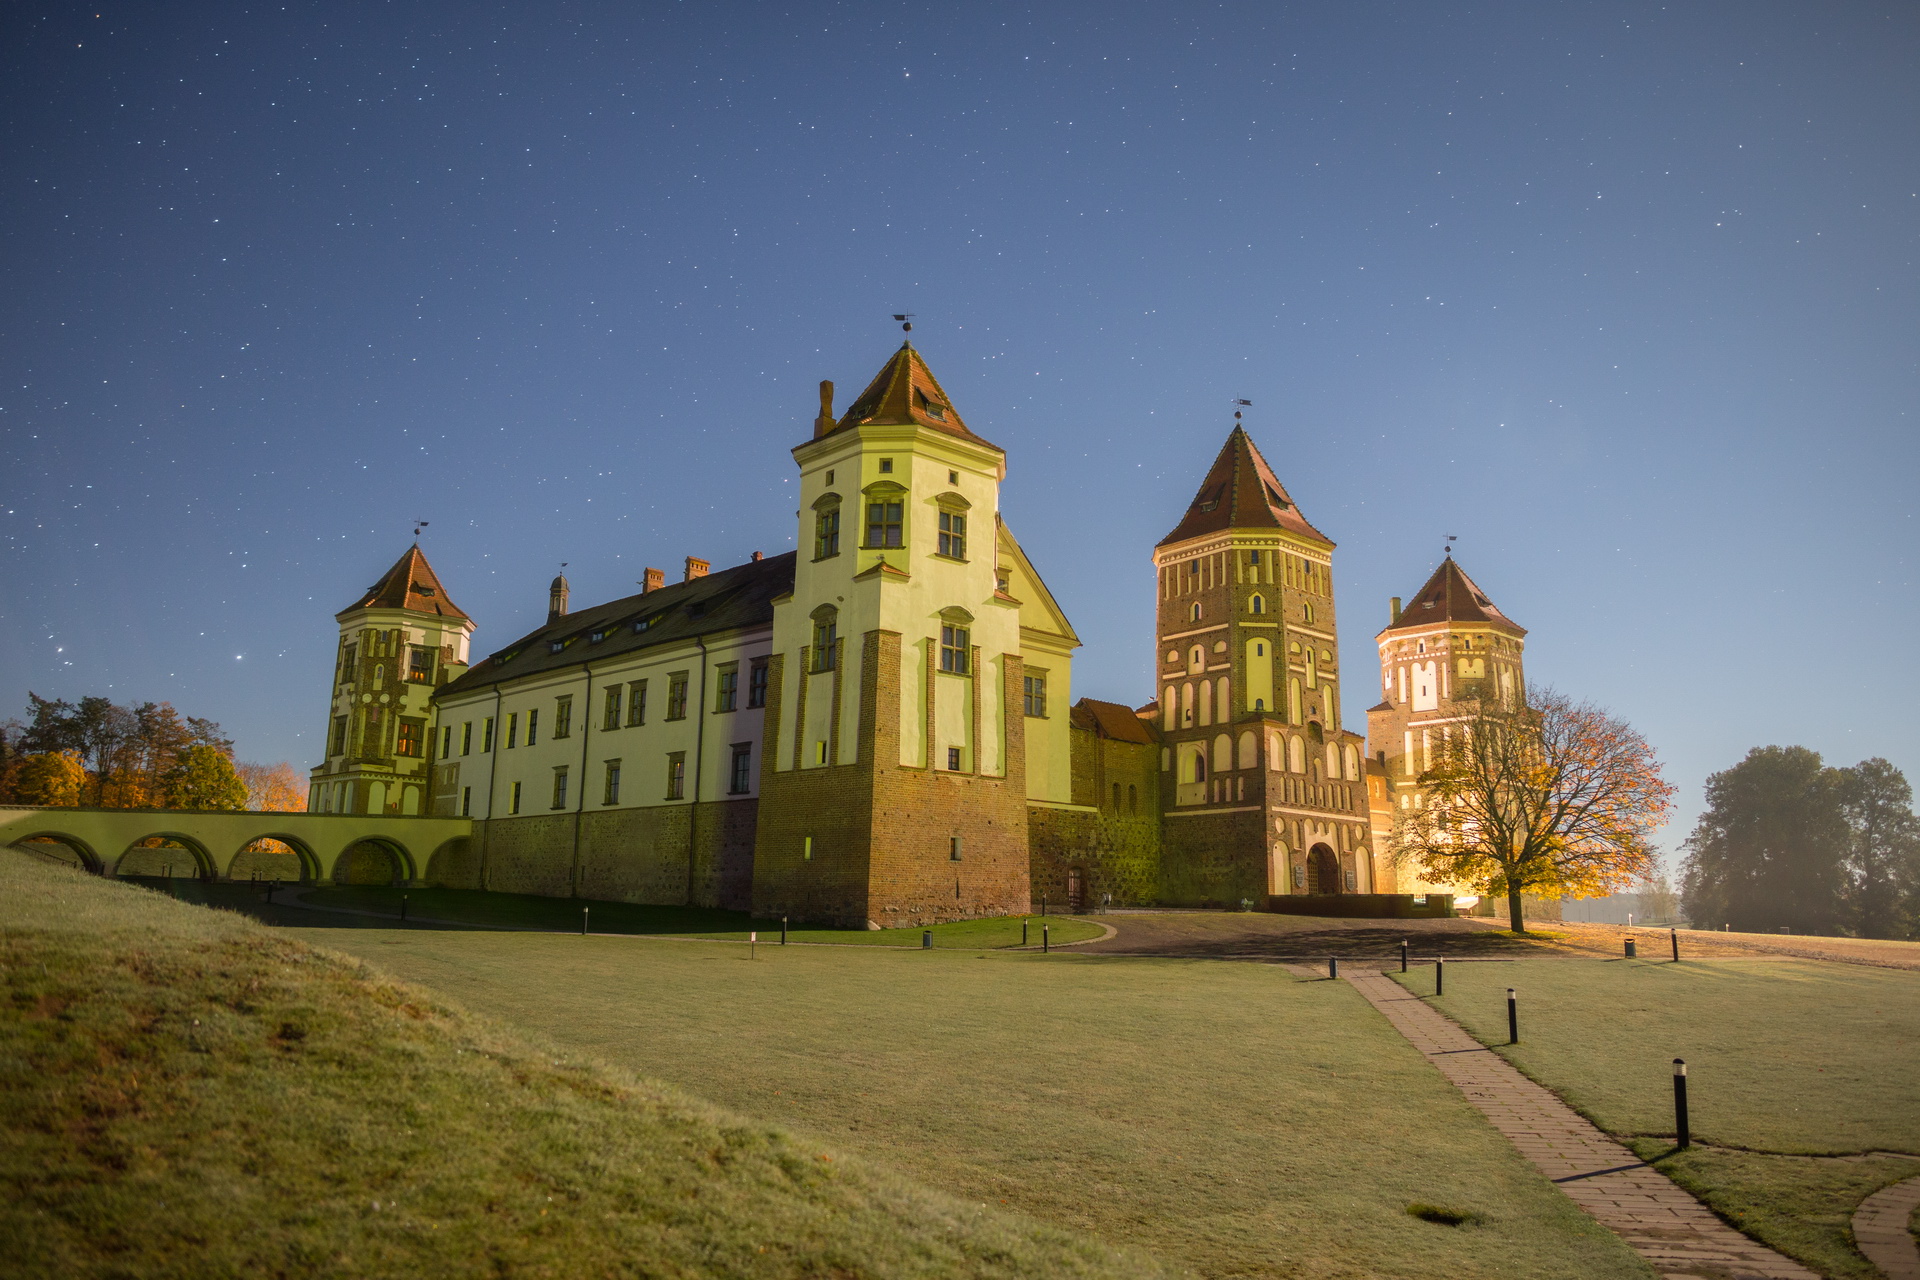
(402, 639)
(1260, 783)
(1447, 650)
(900, 699)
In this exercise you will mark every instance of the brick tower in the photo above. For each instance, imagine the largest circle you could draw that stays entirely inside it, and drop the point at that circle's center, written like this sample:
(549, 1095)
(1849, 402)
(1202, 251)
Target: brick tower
(402, 639)
(1447, 649)
(893, 789)
(1261, 787)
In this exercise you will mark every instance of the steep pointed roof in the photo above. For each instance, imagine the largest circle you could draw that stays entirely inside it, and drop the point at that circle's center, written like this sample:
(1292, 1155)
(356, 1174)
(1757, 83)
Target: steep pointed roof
(1451, 596)
(409, 585)
(906, 392)
(1241, 492)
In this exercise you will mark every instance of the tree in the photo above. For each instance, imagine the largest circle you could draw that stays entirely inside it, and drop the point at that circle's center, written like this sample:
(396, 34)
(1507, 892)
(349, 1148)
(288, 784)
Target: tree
(1882, 852)
(276, 788)
(207, 780)
(54, 779)
(1551, 797)
(1658, 902)
(1770, 849)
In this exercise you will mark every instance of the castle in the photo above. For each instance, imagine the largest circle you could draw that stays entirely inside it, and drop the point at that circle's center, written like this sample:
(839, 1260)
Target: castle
(876, 729)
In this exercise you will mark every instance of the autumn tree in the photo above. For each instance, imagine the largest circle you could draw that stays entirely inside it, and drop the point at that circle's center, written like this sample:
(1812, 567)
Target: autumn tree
(207, 780)
(1881, 894)
(277, 788)
(51, 779)
(1550, 797)
(132, 757)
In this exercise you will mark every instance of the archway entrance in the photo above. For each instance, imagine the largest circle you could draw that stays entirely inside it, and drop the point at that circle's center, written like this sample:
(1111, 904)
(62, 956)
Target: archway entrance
(1076, 890)
(1323, 870)
(56, 849)
(266, 859)
(163, 857)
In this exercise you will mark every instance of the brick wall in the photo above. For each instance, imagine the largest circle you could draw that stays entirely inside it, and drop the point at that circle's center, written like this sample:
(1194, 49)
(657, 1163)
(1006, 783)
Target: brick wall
(1214, 859)
(1116, 848)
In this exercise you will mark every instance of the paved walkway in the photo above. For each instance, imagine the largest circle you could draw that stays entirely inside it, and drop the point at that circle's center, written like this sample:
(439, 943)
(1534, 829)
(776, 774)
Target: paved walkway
(1880, 1229)
(1673, 1231)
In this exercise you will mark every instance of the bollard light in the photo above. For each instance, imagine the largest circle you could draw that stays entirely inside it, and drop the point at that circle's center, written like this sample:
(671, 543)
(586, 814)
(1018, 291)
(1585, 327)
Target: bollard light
(1513, 1018)
(1045, 942)
(1439, 976)
(753, 944)
(403, 908)
(1333, 966)
(1682, 1128)
(783, 931)
(926, 939)
(583, 920)
(1403, 956)
(1673, 936)
(1023, 933)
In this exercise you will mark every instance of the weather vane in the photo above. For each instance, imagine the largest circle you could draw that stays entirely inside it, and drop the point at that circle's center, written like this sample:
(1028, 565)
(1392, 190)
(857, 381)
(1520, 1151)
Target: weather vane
(1451, 539)
(418, 525)
(906, 322)
(1236, 412)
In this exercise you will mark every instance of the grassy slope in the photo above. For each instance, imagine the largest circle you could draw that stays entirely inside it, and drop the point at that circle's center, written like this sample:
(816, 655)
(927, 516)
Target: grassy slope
(533, 912)
(186, 1093)
(1222, 1115)
(1787, 1059)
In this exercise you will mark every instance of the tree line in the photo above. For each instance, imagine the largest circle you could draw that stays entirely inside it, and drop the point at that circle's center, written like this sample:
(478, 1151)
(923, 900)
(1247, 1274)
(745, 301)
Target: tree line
(1790, 842)
(97, 753)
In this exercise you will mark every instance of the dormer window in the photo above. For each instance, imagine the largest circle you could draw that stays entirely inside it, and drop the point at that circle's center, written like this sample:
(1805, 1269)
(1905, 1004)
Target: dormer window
(929, 406)
(555, 646)
(1210, 499)
(1274, 499)
(428, 592)
(596, 637)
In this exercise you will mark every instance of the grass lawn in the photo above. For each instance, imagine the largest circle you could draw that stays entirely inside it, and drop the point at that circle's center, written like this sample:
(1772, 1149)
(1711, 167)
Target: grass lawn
(1224, 1116)
(523, 910)
(186, 1093)
(1787, 1060)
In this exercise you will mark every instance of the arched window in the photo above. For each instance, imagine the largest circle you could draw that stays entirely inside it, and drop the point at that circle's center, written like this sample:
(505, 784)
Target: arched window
(1199, 766)
(1170, 707)
(1222, 753)
(1133, 799)
(1249, 750)
(1116, 797)
(826, 636)
(1186, 703)
(1296, 755)
(1258, 604)
(1196, 660)
(886, 514)
(1206, 702)
(1352, 763)
(826, 526)
(1193, 612)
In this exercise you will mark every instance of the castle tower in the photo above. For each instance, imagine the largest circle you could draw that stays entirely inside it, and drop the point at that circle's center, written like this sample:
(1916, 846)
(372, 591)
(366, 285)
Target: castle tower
(399, 641)
(1261, 785)
(894, 783)
(1447, 649)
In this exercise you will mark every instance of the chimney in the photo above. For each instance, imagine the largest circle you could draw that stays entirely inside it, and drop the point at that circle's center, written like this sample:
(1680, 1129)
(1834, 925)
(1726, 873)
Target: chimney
(824, 423)
(756, 557)
(557, 599)
(1394, 612)
(654, 580)
(696, 568)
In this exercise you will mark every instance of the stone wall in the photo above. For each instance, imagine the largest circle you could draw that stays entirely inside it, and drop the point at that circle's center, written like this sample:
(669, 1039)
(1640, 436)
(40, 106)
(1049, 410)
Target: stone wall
(1112, 841)
(1214, 859)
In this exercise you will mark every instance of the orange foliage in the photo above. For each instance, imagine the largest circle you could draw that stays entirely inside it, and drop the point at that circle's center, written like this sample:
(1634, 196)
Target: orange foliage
(276, 788)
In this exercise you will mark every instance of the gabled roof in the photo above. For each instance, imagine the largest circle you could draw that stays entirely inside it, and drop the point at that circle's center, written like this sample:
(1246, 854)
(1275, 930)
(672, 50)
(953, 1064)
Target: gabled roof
(732, 598)
(1451, 596)
(905, 392)
(1033, 591)
(1241, 492)
(409, 585)
(1111, 720)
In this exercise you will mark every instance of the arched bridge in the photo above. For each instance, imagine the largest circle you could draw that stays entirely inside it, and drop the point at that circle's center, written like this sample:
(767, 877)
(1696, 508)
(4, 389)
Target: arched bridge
(101, 838)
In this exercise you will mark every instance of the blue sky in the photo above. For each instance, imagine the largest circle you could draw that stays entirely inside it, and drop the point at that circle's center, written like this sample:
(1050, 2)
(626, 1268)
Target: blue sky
(1624, 296)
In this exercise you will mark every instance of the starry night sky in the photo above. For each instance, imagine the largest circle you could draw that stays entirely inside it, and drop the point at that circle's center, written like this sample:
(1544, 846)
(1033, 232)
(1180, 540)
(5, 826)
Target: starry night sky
(1623, 295)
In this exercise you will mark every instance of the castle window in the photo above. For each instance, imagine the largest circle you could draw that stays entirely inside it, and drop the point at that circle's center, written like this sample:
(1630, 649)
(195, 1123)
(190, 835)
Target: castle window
(953, 759)
(826, 527)
(562, 716)
(676, 696)
(1035, 695)
(446, 741)
(513, 730)
(339, 747)
(513, 799)
(829, 477)
(420, 666)
(953, 477)
(559, 787)
(1253, 557)
(757, 683)
(826, 635)
(610, 794)
(727, 691)
(953, 848)
(612, 717)
(533, 726)
(929, 406)
(740, 774)
(1133, 799)
(953, 534)
(676, 775)
(884, 523)
(1306, 614)
(466, 802)
(407, 742)
(954, 650)
(1193, 613)
(466, 738)
(636, 702)
(486, 734)
(596, 637)
(1116, 797)
(886, 466)
(1260, 650)
(1257, 604)
(349, 663)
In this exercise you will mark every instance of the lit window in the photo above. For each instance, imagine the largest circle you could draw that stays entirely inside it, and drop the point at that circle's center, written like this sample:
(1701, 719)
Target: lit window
(954, 650)
(420, 666)
(407, 741)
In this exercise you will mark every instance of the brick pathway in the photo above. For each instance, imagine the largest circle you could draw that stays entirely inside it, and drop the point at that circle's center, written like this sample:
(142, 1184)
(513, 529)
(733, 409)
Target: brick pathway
(1880, 1229)
(1673, 1231)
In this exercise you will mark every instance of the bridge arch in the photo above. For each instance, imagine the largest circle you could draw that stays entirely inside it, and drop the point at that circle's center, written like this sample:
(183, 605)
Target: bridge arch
(78, 852)
(357, 861)
(140, 859)
(310, 868)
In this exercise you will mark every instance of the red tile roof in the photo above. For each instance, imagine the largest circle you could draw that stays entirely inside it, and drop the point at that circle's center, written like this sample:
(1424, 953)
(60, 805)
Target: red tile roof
(906, 392)
(1451, 596)
(1111, 720)
(1241, 492)
(409, 585)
